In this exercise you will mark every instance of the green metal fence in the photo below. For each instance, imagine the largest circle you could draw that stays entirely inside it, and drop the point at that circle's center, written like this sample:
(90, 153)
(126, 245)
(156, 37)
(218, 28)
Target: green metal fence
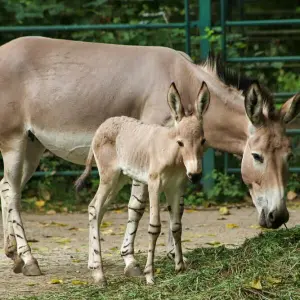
(224, 25)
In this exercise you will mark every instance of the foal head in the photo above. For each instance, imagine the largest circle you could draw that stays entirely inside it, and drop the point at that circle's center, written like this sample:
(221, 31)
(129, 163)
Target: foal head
(189, 130)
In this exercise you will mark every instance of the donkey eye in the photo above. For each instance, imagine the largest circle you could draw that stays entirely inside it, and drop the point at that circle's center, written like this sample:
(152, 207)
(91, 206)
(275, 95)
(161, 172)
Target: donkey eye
(180, 143)
(203, 141)
(258, 157)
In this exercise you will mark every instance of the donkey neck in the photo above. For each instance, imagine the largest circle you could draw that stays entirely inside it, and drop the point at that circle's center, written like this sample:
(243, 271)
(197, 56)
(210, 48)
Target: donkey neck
(225, 122)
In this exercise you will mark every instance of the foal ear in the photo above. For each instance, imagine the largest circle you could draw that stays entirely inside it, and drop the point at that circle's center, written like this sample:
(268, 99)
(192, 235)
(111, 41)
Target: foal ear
(202, 101)
(254, 104)
(174, 102)
(290, 109)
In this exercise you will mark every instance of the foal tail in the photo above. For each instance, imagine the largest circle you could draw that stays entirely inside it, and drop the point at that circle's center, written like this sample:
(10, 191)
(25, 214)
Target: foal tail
(88, 167)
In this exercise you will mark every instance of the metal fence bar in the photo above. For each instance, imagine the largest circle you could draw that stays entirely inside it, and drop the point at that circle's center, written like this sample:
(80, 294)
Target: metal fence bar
(204, 22)
(187, 27)
(223, 28)
(52, 28)
(58, 173)
(263, 59)
(238, 170)
(263, 22)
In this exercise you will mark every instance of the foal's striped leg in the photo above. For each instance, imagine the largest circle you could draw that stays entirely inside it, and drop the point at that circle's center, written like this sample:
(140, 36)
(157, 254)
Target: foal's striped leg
(171, 245)
(136, 208)
(173, 199)
(154, 225)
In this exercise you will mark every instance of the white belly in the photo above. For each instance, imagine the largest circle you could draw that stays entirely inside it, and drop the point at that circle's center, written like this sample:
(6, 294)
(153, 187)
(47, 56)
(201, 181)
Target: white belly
(73, 146)
(136, 174)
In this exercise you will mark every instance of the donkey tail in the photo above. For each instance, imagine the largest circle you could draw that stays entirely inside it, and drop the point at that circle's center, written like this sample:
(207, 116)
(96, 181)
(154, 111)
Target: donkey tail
(88, 167)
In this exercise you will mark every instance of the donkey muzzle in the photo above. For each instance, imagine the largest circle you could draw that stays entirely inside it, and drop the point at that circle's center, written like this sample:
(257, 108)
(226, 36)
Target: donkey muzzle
(274, 218)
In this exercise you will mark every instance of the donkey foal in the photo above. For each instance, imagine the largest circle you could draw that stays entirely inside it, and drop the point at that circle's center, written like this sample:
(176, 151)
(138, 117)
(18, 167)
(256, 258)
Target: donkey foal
(158, 156)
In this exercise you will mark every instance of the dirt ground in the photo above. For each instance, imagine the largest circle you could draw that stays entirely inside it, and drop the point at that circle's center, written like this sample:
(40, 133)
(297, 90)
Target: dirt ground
(60, 243)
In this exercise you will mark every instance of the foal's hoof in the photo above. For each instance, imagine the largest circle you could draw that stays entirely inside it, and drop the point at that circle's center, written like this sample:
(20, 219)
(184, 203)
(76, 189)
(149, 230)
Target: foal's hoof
(99, 279)
(18, 265)
(133, 270)
(32, 269)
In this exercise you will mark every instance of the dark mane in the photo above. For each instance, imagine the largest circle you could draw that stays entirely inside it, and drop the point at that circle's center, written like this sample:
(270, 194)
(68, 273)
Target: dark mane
(235, 79)
(227, 75)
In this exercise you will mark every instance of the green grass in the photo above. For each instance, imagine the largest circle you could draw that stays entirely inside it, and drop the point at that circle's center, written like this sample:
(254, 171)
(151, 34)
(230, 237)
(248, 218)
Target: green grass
(273, 258)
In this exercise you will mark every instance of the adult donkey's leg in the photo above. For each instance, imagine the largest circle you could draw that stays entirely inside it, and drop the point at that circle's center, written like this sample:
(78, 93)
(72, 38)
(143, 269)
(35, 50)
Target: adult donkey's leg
(19, 165)
(136, 208)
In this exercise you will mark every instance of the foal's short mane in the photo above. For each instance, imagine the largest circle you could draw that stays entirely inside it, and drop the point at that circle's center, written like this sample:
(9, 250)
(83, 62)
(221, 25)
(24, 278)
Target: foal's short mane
(215, 64)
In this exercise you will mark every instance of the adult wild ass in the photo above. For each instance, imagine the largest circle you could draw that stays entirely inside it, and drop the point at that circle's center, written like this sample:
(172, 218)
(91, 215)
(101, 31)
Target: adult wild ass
(161, 157)
(56, 93)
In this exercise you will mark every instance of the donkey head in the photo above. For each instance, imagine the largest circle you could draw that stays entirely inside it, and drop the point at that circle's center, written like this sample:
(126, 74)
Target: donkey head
(189, 130)
(266, 154)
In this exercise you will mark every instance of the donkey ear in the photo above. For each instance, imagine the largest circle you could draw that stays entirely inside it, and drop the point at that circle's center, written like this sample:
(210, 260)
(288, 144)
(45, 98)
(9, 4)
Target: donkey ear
(202, 101)
(254, 104)
(174, 102)
(290, 109)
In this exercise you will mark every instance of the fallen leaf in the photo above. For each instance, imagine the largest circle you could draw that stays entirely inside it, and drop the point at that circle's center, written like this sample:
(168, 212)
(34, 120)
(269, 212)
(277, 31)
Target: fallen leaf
(30, 283)
(63, 241)
(291, 195)
(73, 228)
(78, 282)
(221, 218)
(56, 281)
(189, 210)
(51, 212)
(224, 211)
(76, 260)
(118, 211)
(114, 249)
(214, 243)
(186, 241)
(256, 284)
(106, 224)
(157, 271)
(40, 203)
(255, 227)
(231, 225)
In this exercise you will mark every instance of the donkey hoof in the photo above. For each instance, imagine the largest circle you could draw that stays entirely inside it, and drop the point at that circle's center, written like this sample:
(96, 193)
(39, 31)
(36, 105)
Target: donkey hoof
(180, 268)
(18, 265)
(99, 279)
(133, 270)
(150, 280)
(31, 269)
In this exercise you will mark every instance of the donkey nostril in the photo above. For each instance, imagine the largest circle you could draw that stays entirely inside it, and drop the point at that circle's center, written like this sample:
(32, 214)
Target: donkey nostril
(271, 216)
(189, 175)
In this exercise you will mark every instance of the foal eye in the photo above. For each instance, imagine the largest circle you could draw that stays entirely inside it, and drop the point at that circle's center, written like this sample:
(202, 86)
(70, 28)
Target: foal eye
(203, 141)
(180, 143)
(258, 157)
